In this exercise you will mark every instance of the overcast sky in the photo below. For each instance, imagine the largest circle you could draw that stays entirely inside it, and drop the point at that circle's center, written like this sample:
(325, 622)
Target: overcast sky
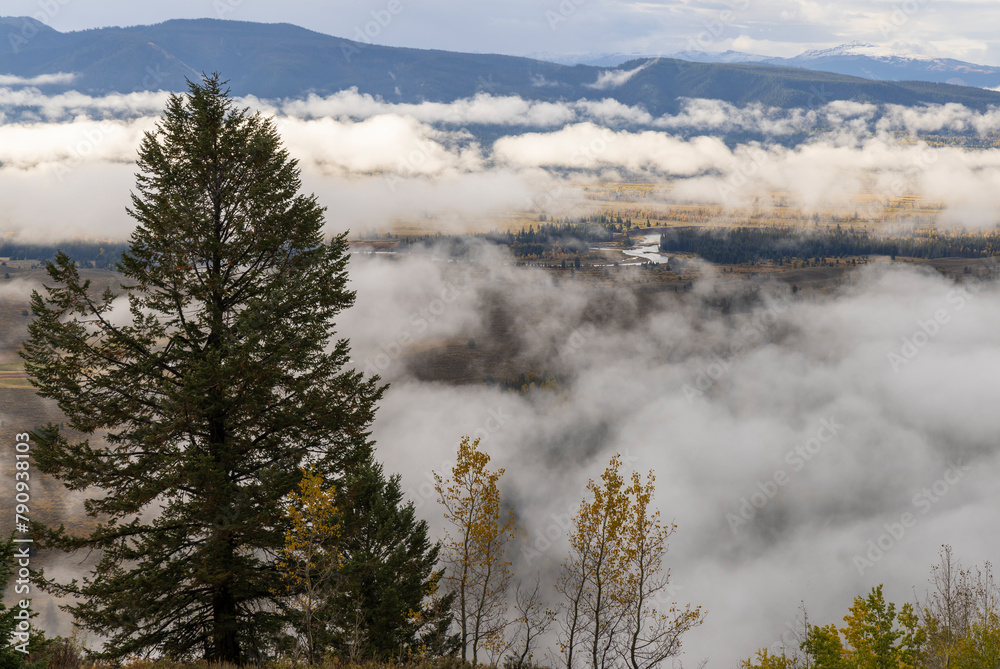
(962, 29)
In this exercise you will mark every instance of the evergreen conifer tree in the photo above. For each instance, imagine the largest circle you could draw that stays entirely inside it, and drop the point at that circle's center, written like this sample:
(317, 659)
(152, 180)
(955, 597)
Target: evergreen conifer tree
(197, 396)
(389, 605)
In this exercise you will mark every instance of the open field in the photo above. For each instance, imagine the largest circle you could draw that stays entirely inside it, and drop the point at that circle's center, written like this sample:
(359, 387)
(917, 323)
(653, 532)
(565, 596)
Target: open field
(12, 376)
(653, 205)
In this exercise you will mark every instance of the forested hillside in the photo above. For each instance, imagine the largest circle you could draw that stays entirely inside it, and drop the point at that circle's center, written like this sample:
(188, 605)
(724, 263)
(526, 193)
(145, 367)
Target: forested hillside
(282, 60)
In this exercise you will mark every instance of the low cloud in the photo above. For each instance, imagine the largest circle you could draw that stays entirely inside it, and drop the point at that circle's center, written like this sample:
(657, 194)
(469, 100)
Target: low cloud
(32, 104)
(70, 145)
(652, 374)
(589, 146)
(814, 392)
(16, 290)
(60, 78)
(615, 78)
(378, 163)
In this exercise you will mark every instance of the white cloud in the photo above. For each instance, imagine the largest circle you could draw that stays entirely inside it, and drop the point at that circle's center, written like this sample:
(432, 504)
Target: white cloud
(381, 143)
(614, 78)
(801, 362)
(73, 104)
(588, 146)
(386, 163)
(86, 141)
(373, 164)
(38, 80)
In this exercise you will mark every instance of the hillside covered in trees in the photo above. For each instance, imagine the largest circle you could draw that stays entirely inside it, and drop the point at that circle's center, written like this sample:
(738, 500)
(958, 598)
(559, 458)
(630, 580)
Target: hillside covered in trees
(783, 244)
(282, 61)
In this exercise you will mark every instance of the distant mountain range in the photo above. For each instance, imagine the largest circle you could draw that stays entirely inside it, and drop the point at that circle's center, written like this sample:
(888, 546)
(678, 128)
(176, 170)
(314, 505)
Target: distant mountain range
(858, 59)
(286, 61)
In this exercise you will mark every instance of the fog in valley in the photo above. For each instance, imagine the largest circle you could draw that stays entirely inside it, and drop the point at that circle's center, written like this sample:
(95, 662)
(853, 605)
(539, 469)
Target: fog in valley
(863, 405)
(790, 432)
(376, 164)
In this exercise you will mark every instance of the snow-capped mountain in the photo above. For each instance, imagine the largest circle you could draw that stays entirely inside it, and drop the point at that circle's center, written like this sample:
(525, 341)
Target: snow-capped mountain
(879, 62)
(616, 59)
(859, 59)
(863, 49)
(875, 61)
(720, 57)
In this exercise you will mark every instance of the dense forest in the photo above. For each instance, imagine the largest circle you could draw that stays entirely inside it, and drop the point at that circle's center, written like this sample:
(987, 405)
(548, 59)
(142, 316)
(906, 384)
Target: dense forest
(785, 244)
(550, 237)
(572, 237)
(99, 255)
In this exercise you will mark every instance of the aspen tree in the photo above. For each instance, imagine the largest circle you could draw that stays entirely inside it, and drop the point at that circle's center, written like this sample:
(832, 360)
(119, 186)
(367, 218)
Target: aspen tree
(310, 558)
(475, 548)
(654, 625)
(595, 570)
(613, 582)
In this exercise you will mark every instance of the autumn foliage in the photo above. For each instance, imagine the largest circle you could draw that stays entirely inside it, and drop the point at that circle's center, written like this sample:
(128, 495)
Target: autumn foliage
(310, 558)
(475, 548)
(957, 627)
(614, 605)
(616, 592)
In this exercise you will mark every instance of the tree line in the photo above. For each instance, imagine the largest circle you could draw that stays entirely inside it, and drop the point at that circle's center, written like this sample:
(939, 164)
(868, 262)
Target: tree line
(781, 244)
(566, 236)
(100, 255)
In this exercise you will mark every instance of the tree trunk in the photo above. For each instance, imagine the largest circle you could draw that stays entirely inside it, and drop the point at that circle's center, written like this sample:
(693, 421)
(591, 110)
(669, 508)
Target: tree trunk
(224, 621)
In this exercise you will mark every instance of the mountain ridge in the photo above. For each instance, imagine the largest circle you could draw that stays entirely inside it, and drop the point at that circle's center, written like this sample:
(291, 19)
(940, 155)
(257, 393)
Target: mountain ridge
(861, 59)
(287, 61)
